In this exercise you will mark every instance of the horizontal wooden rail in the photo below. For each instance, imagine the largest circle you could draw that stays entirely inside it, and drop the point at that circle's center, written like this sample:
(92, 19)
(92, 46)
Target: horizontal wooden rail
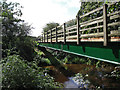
(93, 28)
(91, 12)
(98, 18)
(71, 27)
(94, 22)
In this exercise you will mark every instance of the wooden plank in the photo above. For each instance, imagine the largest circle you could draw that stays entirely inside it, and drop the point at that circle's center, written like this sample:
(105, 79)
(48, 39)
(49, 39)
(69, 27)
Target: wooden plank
(115, 16)
(60, 38)
(53, 37)
(92, 39)
(60, 31)
(49, 31)
(109, 4)
(53, 29)
(72, 40)
(54, 33)
(114, 23)
(59, 26)
(59, 35)
(71, 32)
(74, 36)
(105, 26)
(114, 13)
(91, 12)
(71, 27)
(115, 33)
(92, 28)
(98, 18)
(94, 22)
(92, 35)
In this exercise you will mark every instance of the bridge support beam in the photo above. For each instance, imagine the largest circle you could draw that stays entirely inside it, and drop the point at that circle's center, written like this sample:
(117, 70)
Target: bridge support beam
(96, 50)
(55, 62)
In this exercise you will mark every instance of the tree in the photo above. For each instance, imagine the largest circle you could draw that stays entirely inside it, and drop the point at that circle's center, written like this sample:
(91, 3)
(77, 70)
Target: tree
(10, 23)
(50, 26)
(15, 32)
(12, 26)
(25, 29)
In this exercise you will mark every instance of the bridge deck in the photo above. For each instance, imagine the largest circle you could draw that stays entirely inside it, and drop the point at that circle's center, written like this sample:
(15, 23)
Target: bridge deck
(97, 37)
(95, 50)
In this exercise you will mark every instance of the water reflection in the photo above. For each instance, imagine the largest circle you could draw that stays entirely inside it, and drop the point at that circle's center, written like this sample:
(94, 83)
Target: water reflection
(88, 76)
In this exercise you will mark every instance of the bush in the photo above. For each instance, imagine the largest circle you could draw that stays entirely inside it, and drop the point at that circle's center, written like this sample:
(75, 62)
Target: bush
(18, 73)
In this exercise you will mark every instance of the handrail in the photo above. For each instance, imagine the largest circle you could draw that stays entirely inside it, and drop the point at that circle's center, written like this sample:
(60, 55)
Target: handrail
(78, 31)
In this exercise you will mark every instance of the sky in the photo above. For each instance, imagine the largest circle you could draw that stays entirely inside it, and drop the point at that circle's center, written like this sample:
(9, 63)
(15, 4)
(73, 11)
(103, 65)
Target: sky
(40, 12)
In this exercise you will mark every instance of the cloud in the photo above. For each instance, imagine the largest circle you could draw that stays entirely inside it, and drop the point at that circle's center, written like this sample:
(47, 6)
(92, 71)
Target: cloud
(69, 3)
(74, 3)
(40, 12)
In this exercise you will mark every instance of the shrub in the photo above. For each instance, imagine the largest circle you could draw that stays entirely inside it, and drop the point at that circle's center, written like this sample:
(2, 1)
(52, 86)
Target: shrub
(18, 73)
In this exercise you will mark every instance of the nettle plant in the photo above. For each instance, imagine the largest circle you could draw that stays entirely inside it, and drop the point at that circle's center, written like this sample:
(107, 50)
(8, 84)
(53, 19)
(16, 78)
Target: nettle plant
(18, 73)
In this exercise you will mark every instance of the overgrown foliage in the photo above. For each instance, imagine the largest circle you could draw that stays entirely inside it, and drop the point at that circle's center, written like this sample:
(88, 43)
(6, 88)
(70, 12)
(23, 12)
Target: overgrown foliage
(18, 73)
(17, 50)
(15, 31)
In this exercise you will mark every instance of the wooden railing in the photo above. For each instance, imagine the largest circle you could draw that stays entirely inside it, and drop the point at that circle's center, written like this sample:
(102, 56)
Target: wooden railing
(97, 32)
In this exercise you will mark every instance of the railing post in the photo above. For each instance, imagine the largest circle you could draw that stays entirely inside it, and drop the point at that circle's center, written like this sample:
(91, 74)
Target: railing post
(51, 36)
(56, 35)
(97, 28)
(105, 26)
(47, 36)
(78, 30)
(64, 30)
(44, 36)
(40, 39)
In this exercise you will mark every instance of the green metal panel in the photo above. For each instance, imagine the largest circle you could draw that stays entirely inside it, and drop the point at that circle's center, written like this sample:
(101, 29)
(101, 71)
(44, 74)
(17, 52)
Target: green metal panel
(95, 50)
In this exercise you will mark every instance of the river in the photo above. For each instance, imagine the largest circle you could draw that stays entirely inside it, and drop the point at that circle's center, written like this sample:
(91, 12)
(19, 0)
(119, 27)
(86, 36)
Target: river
(88, 76)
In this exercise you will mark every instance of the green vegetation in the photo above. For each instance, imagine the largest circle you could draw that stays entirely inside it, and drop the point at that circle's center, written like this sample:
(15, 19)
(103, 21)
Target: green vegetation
(89, 6)
(21, 63)
(18, 73)
(15, 32)
(50, 26)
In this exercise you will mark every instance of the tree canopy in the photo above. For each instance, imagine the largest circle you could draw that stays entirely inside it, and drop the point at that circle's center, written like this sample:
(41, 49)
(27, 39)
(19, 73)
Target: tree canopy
(50, 26)
(15, 31)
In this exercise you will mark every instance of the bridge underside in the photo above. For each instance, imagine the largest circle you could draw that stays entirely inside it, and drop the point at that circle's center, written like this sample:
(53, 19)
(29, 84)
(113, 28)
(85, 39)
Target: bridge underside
(96, 50)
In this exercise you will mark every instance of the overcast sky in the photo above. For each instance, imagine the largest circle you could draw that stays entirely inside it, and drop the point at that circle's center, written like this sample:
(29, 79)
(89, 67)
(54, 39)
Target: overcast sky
(40, 12)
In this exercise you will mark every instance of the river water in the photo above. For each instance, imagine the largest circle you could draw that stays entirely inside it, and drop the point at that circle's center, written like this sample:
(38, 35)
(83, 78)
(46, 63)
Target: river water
(88, 76)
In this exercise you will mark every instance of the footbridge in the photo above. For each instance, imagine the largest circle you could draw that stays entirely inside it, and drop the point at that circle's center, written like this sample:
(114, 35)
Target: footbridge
(95, 34)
